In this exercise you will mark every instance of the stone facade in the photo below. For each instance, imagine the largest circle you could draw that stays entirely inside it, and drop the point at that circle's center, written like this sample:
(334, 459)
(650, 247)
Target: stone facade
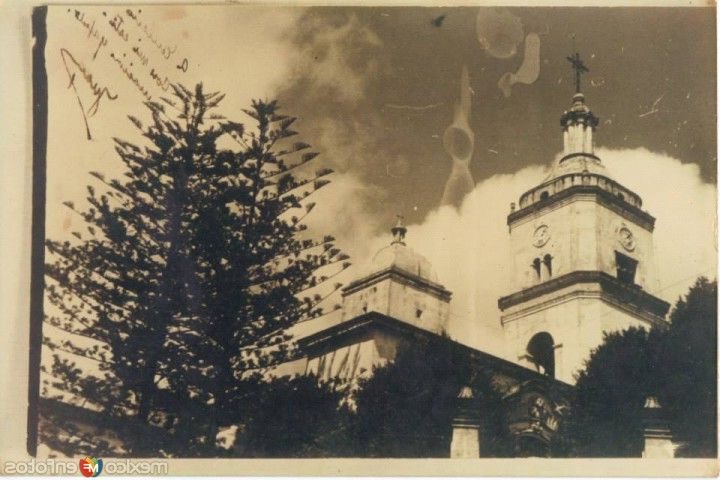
(583, 259)
(582, 250)
(399, 294)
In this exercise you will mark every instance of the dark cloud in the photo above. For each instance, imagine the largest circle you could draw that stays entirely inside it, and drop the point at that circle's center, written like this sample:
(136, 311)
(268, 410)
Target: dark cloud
(384, 86)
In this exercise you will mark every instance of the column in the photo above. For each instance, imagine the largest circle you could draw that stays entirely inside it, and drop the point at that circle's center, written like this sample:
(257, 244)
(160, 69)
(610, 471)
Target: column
(656, 431)
(588, 147)
(465, 441)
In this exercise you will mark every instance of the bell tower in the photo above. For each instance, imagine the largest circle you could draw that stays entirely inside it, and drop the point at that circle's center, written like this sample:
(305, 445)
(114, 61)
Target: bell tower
(583, 256)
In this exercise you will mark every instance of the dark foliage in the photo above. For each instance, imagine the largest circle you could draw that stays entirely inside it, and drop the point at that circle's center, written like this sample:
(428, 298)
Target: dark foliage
(677, 365)
(189, 271)
(406, 408)
(690, 384)
(610, 394)
(292, 417)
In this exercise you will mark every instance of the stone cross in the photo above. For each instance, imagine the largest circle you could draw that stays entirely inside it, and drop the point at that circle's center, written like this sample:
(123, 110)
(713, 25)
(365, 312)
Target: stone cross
(579, 68)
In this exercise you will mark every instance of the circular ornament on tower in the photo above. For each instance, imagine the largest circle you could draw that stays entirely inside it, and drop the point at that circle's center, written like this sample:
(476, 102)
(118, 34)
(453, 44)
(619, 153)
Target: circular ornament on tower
(626, 238)
(541, 236)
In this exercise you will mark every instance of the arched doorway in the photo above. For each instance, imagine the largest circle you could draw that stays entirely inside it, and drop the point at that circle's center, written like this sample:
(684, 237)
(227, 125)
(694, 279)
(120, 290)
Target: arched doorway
(541, 350)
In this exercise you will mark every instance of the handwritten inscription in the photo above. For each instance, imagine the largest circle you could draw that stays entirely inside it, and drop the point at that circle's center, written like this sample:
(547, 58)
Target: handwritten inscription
(126, 40)
(73, 67)
(92, 31)
(160, 80)
(165, 50)
(117, 24)
(140, 55)
(125, 68)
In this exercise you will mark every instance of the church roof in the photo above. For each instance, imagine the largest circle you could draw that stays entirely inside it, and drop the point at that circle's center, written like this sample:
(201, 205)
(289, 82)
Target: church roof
(362, 327)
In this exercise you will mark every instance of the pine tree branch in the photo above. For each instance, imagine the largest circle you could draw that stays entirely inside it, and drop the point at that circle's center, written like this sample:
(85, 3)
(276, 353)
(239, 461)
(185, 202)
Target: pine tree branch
(56, 347)
(323, 282)
(325, 241)
(306, 158)
(75, 332)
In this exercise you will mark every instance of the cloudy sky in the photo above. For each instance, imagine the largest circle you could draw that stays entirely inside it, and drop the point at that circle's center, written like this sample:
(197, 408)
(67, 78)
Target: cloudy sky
(374, 90)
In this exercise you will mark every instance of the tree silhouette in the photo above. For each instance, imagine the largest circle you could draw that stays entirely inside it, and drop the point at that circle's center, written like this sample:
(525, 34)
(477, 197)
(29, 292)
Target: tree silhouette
(690, 350)
(677, 365)
(406, 408)
(191, 268)
(294, 417)
(610, 393)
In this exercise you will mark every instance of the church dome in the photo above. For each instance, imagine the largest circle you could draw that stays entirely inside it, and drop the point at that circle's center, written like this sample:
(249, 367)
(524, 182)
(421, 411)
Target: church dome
(577, 164)
(399, 256)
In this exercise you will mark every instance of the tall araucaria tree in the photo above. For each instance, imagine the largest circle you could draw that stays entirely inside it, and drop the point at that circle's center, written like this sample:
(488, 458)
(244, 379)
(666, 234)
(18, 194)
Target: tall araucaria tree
(192, 268)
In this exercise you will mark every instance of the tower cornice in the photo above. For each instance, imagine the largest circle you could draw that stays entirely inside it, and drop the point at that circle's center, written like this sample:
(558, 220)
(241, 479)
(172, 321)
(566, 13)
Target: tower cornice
(400, 276)
(606, 192)
(624, 293)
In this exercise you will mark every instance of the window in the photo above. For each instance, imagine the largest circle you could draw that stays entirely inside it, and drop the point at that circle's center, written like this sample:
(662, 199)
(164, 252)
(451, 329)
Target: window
(536, 266)
(544, 195)
(626, 268)
(541, 350)
(547, 260)
(418, 313)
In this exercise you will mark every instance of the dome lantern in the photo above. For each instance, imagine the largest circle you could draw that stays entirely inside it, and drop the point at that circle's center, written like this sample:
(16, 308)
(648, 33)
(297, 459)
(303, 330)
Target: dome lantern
(399, 232)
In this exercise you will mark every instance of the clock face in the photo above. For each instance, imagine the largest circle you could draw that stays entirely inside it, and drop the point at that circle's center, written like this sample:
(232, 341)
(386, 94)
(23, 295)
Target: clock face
(626, 239)
(541, 236)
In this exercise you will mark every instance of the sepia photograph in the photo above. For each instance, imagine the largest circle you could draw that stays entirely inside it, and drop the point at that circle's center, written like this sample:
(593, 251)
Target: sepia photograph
(372, 232)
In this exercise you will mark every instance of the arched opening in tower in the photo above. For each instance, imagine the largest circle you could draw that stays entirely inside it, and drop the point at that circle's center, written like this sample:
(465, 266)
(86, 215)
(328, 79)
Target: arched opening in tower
(541, 350)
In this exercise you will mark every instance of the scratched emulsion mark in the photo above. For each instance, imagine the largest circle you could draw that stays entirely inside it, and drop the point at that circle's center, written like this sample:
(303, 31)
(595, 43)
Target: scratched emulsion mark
(459, 142)
(414, 108)
(499, 32)
(529, 70)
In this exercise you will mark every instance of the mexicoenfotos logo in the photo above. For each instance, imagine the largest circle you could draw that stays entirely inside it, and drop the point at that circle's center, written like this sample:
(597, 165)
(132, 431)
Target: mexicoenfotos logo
(91, 466)
(88, 466)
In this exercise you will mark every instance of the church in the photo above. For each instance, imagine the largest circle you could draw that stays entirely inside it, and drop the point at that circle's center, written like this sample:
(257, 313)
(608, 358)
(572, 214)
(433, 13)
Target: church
(582, 249)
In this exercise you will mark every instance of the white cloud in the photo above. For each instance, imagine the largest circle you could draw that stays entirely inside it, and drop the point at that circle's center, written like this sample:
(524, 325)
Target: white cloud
(344, 208)
(469, 250)
(685, 210)
(468, 247)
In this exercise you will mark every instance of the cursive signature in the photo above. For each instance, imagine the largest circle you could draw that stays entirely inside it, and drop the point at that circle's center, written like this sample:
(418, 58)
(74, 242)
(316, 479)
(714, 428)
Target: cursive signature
(73, 67)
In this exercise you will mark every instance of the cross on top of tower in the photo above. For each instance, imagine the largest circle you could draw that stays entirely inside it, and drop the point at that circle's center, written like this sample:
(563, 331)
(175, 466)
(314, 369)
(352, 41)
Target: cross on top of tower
(579, 68)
